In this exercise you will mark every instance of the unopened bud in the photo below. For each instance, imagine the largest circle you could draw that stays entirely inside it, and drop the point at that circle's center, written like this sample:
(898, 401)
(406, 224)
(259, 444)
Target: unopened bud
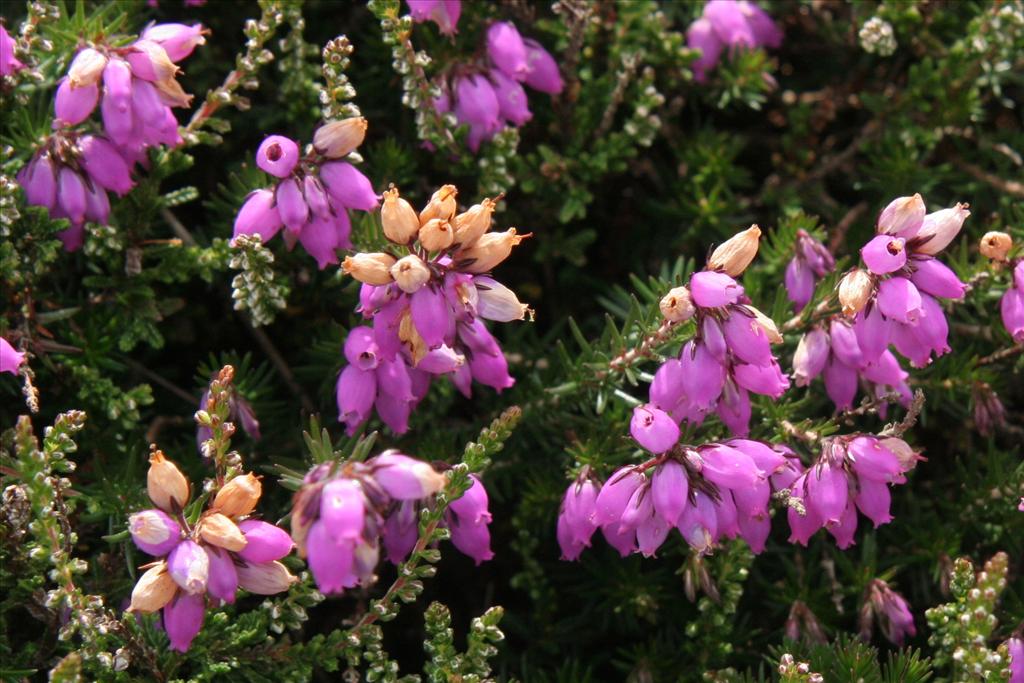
(337, 139)
(265, 578)
(939, 229)
(398, 218)
(996, 245)
(855, 291)
(410, 273)
(239, 496)
(735, 254)
(902, 217)
(153, 590)
(372, 269)
(436, 234)
(767, 324)
(86, 68)
(167, 486)
(488, 251)
(677, 305)
(470, 225)
(441, 205)
(216, 529)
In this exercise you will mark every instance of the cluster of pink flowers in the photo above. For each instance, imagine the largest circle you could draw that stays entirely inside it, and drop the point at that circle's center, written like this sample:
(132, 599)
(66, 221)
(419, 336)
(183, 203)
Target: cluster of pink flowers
(10, 358)
(731, 354)
(136, 89)
(427, 309)
(225, 550)
(1012, 304)
(811, 262)
(343, 514)
(485, 95)
(893, 301)
(8, 62)
(729, 24)
(444, 13)
(852, 473)
(313, 193)
(708, 493)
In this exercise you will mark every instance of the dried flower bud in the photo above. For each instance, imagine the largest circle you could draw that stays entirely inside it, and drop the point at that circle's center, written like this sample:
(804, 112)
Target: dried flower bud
(166, 485)
(855, 290)
(735, 254)
(337, 139)
(373, 269)
(153, 590)
(410, 273)
(677, 305)
(172, 93)
(488, 251)
(239, 496)
(906, 455)
(996, 245)
(767, 324)
(939, 228)
(265, 578)
(436, 234)
(149, 61)
(398, 218)
(86, 68)
(441, 205)
(216, 529)
(470, 225)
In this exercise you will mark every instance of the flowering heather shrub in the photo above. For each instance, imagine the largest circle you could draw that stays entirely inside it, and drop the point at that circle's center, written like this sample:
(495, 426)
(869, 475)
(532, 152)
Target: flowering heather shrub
(788, 452)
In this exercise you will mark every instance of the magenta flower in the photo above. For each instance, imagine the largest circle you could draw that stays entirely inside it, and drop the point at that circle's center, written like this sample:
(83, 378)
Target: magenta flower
(444, 13)
(476, 105)
(1015, 647)
(312, 196)
(224, 551)
(891, 610)
(1011, 306)
(542, 70)
(10, 358)
(654, 429)
(8, 62)
(729, 24)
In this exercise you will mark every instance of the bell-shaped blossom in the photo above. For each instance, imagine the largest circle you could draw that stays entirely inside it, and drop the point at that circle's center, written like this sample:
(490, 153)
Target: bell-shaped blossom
(10, 358)
(505, 47)
(444, 13)
(654, 429)
(891, 610)
(8, 62)
(1011, 305)
(729, 24)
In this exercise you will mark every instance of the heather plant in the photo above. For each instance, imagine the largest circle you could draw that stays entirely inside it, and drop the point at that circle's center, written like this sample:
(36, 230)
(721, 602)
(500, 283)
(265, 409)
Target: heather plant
(752, 411)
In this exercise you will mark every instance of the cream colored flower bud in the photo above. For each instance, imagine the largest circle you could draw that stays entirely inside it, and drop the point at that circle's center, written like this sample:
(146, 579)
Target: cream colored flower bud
(239, 496)
(906, 455)
(372, 269)
(167, 486)
(265, 578)
(471, 224)
(767, 324)
(735, 254)
(408, 335)
(996, 245)
(153, 590)
(337, 139)
(436, 235)
(410, 273)
(855, 291)
(677, 305)
(86, 68)
(441, 205)
(488, 251)
(216, 529)
(939, 229)
(398, 218)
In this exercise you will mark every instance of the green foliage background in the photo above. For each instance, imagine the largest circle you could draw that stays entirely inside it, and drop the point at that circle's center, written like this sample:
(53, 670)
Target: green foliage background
(626, 180)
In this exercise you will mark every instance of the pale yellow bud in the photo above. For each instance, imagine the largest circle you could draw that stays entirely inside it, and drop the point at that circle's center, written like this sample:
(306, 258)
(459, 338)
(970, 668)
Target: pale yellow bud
(470, 225)
(677, 305)
(163, 68)
(239, 496)
(488, 251)
(216, 529)
(398, 218)
(996, 245)
(441, 205)
(337, 139)
(372, 269)
(153, 590)
(410, 273)
(265, 578)
(86, 68)
(167, 486)
(436, 234)
(855, 291)
(735, 254)
(767, 324)
(408, 334)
